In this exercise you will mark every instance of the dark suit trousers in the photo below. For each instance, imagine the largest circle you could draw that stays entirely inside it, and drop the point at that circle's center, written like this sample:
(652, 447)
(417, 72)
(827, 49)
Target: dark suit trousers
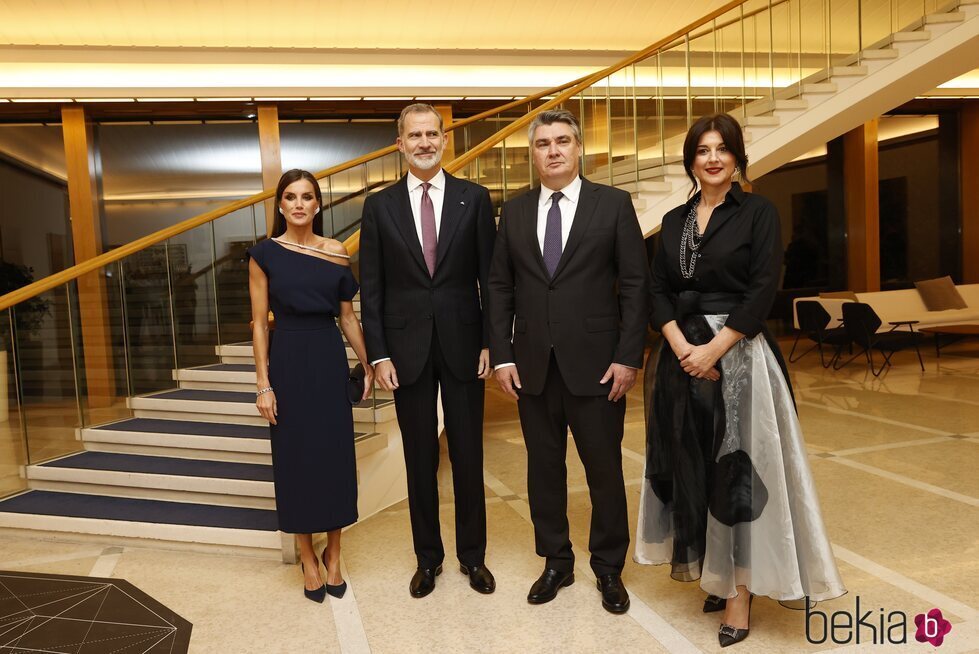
(462, 404)
(597, 427)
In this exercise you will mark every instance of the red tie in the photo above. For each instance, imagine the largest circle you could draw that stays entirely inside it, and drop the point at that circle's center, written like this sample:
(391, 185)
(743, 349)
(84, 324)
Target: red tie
(429, 239)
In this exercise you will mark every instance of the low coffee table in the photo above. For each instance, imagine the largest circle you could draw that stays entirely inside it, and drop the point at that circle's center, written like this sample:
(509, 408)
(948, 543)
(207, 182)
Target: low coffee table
(955, 331)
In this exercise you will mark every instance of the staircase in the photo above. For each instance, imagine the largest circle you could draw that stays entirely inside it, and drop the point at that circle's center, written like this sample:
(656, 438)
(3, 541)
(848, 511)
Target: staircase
(885, 75)
(192, 468)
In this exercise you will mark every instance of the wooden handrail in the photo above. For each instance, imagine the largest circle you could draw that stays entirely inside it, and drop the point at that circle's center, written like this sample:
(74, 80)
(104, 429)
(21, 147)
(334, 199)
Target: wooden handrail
(123, 251)
(352, 243)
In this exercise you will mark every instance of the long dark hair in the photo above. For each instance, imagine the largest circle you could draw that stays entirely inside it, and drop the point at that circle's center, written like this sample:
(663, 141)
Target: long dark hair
(288, 177)
(731, 134)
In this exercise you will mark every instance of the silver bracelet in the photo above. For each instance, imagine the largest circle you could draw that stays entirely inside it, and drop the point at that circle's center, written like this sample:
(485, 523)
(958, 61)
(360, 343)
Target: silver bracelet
(264, 390)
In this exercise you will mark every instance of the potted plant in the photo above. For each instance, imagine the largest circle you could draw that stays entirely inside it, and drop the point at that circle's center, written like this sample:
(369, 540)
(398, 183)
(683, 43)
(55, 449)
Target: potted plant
(29, 316)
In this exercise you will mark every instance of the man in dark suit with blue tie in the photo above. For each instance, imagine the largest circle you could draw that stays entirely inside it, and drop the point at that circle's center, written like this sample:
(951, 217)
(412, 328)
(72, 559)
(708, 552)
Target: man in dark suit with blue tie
(568, 313)
(425, 249)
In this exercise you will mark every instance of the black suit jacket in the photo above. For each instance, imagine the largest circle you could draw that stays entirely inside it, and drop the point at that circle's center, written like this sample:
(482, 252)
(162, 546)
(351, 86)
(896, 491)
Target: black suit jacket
(592, 313)
(400, 300)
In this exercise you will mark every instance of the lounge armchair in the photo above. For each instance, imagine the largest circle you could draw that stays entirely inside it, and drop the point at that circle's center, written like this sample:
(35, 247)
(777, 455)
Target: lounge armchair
(814, 324)
(862, 324)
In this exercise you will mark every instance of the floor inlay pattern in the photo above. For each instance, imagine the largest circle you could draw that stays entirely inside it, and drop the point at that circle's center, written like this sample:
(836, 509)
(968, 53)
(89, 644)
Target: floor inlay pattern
(60, 614)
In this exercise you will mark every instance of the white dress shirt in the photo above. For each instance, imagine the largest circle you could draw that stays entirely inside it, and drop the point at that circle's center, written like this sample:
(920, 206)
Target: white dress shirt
(437, 193)
(569, 205)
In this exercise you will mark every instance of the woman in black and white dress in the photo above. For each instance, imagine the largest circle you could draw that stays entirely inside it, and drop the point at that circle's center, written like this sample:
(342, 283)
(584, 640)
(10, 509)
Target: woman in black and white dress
(728, 497)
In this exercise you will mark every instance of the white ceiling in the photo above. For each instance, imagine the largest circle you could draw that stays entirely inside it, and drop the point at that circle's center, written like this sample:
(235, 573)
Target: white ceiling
(84, 49)
(396, 24)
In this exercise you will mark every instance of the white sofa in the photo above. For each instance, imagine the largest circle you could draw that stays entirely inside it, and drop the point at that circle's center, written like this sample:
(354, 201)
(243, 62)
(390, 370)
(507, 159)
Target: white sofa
(906, 304)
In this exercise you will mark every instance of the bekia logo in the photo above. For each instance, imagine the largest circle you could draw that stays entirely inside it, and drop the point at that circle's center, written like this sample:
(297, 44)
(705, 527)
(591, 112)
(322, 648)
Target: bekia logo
(932, 627)
(876, 627)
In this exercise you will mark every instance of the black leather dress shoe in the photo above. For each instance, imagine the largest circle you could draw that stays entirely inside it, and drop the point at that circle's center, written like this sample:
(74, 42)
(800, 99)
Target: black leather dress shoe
(423, 581)
(547, 585)
(480, 578)
(615, 598)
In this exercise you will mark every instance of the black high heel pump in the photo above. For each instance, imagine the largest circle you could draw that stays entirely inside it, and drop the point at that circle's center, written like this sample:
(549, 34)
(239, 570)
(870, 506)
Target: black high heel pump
(334, 591)
(317, 595)
(728, 635)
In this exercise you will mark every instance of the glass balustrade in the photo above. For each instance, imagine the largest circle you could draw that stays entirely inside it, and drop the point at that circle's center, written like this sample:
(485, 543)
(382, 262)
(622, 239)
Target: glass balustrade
(744, 60)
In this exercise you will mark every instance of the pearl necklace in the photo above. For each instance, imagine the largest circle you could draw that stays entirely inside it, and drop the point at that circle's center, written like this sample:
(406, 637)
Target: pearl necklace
(690, 239)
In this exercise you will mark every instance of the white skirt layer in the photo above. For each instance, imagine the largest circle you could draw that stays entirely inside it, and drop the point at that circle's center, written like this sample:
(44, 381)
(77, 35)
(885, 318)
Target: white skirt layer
(784, 553)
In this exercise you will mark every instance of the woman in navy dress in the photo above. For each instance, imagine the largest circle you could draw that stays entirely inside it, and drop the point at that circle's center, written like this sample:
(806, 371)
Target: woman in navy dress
(302, 374)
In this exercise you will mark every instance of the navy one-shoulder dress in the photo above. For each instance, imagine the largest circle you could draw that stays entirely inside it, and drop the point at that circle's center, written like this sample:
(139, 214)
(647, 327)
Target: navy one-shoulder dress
(313, 457)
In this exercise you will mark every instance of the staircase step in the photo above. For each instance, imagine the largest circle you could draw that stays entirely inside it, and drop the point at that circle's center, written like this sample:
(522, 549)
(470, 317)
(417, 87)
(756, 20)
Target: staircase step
(646, 186)
(880, 54)
(242, 353)
(949, 17)
(158, 477)
(905, 37)
(847, 71)
(820, 88)
(189, 438)
(186, 428)
(230, 406)
(762, 107)
(762, 121)
(142, 519)
(161, 465)
(238, 377)
(213, 441)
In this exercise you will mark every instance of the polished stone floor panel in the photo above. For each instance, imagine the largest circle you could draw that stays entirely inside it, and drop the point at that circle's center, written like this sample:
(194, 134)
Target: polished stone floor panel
(949, 464)
(897, 486)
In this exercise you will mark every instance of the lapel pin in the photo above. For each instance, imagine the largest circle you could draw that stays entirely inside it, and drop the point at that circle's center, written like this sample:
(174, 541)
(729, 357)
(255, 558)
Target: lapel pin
(462, 203)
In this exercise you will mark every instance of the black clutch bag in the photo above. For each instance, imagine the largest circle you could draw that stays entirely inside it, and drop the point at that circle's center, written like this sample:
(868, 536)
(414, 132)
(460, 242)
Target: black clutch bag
(739, 493)
(355, 384)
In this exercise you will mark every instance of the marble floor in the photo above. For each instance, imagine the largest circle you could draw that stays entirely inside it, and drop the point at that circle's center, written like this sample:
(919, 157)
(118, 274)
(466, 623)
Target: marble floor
(895, 461)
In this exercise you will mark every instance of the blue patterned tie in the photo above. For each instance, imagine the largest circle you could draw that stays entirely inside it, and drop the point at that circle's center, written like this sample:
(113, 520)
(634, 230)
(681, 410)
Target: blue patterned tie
(552, 235)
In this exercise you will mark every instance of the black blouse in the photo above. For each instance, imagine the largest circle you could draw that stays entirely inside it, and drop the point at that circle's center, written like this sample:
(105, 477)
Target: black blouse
(740, 254)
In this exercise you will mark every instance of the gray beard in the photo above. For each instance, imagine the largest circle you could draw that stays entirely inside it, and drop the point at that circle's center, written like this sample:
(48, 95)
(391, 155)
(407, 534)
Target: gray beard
(425, 165)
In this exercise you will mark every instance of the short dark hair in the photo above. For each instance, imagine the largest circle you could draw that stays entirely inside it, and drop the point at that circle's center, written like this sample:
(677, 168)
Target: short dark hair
(288, 177)
(551, 116)
(418, 108)
(730, 131)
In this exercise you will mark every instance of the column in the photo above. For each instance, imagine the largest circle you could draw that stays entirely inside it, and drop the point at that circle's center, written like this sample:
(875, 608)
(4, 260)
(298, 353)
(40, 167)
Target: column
(862, 207)
(86, 232)
(271, 145)
(445, 110)
(968, 176)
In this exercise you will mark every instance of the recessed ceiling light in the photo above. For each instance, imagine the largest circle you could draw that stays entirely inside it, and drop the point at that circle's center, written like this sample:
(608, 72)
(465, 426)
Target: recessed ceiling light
(164, 99)
(62, 100)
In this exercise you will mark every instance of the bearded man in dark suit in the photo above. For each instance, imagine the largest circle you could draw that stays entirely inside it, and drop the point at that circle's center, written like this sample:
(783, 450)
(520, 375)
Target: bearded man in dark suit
(426, 244)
